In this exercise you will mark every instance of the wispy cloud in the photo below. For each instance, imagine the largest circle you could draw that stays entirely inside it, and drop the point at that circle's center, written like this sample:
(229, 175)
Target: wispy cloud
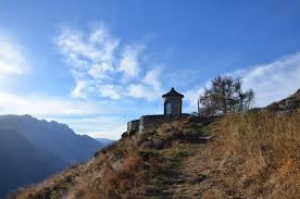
(42, 105)
(12, 58)
(152, 78)
(270, 82)
(149, 88)
(88, 51)
(78, 91)
(111, 91)
(85, 117)
(129, 63)
(90, 55)
(274, 81)
(100, 126)
(192, 96)
(100, 63)
(141, 91)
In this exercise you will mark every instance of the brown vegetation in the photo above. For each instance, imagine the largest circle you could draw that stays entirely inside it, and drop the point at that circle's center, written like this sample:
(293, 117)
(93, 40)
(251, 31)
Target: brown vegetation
(262, 154)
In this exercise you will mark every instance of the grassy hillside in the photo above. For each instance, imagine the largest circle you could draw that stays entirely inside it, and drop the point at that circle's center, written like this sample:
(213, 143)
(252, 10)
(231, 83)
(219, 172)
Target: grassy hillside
(253, 155)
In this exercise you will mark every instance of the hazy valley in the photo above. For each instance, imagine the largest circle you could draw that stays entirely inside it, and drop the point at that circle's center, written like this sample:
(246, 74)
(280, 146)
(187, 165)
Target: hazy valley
(31, 150)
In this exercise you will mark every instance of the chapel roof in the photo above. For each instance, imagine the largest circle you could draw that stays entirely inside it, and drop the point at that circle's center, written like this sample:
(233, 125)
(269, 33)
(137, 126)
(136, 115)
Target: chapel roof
(173, 93)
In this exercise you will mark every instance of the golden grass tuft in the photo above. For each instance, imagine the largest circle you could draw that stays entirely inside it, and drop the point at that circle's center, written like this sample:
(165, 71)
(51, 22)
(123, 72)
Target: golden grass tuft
(126, 176)
(262, 151)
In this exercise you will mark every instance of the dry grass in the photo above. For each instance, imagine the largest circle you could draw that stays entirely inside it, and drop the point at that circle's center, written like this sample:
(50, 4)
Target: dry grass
(117, 180)
(262, 154)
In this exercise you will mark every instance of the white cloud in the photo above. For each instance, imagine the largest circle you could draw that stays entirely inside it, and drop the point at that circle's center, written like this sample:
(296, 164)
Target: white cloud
(97, 71)
(99, 34)
(42, 105)
(270, 82)
(12, 58)
(192, 96)
(90, 55)
(274, 81)
(129, 64)
(149, 88)
(152, 78)
(78, 91)
(143, 92)
(98, 127)
(82, 49)
(99, 62)
(111, 91)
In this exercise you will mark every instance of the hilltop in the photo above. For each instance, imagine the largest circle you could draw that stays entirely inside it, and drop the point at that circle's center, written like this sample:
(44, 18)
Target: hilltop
(252, 155)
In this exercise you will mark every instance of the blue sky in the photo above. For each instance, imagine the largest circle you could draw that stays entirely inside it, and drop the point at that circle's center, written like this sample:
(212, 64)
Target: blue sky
(94, 65)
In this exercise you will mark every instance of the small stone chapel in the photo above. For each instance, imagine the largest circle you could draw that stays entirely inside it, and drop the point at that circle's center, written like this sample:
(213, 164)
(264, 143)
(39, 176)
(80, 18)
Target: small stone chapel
(172, 102)
(172, 111)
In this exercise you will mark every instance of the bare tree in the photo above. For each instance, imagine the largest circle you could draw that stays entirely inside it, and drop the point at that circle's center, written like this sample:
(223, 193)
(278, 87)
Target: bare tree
(206, 101)
(225, 95)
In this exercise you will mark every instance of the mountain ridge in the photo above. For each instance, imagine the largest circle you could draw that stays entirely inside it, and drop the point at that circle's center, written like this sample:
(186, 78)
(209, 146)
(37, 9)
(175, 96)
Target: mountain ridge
(33, 149)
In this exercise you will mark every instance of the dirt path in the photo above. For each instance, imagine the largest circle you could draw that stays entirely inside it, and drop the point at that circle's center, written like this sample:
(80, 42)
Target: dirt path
(195, 178)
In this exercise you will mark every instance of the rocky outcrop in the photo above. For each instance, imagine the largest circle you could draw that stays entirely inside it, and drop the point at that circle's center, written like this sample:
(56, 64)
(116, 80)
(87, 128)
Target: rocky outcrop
(290, 103)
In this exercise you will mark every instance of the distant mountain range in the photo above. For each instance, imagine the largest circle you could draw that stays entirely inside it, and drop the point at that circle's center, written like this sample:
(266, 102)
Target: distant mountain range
(32, 149)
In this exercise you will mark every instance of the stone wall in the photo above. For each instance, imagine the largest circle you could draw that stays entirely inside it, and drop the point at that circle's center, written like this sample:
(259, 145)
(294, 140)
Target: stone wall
(148, 122)
(133, 126)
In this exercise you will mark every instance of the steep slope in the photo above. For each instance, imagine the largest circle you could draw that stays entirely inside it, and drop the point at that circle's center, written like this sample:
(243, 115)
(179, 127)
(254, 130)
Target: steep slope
(253, 155)
(32, 149)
